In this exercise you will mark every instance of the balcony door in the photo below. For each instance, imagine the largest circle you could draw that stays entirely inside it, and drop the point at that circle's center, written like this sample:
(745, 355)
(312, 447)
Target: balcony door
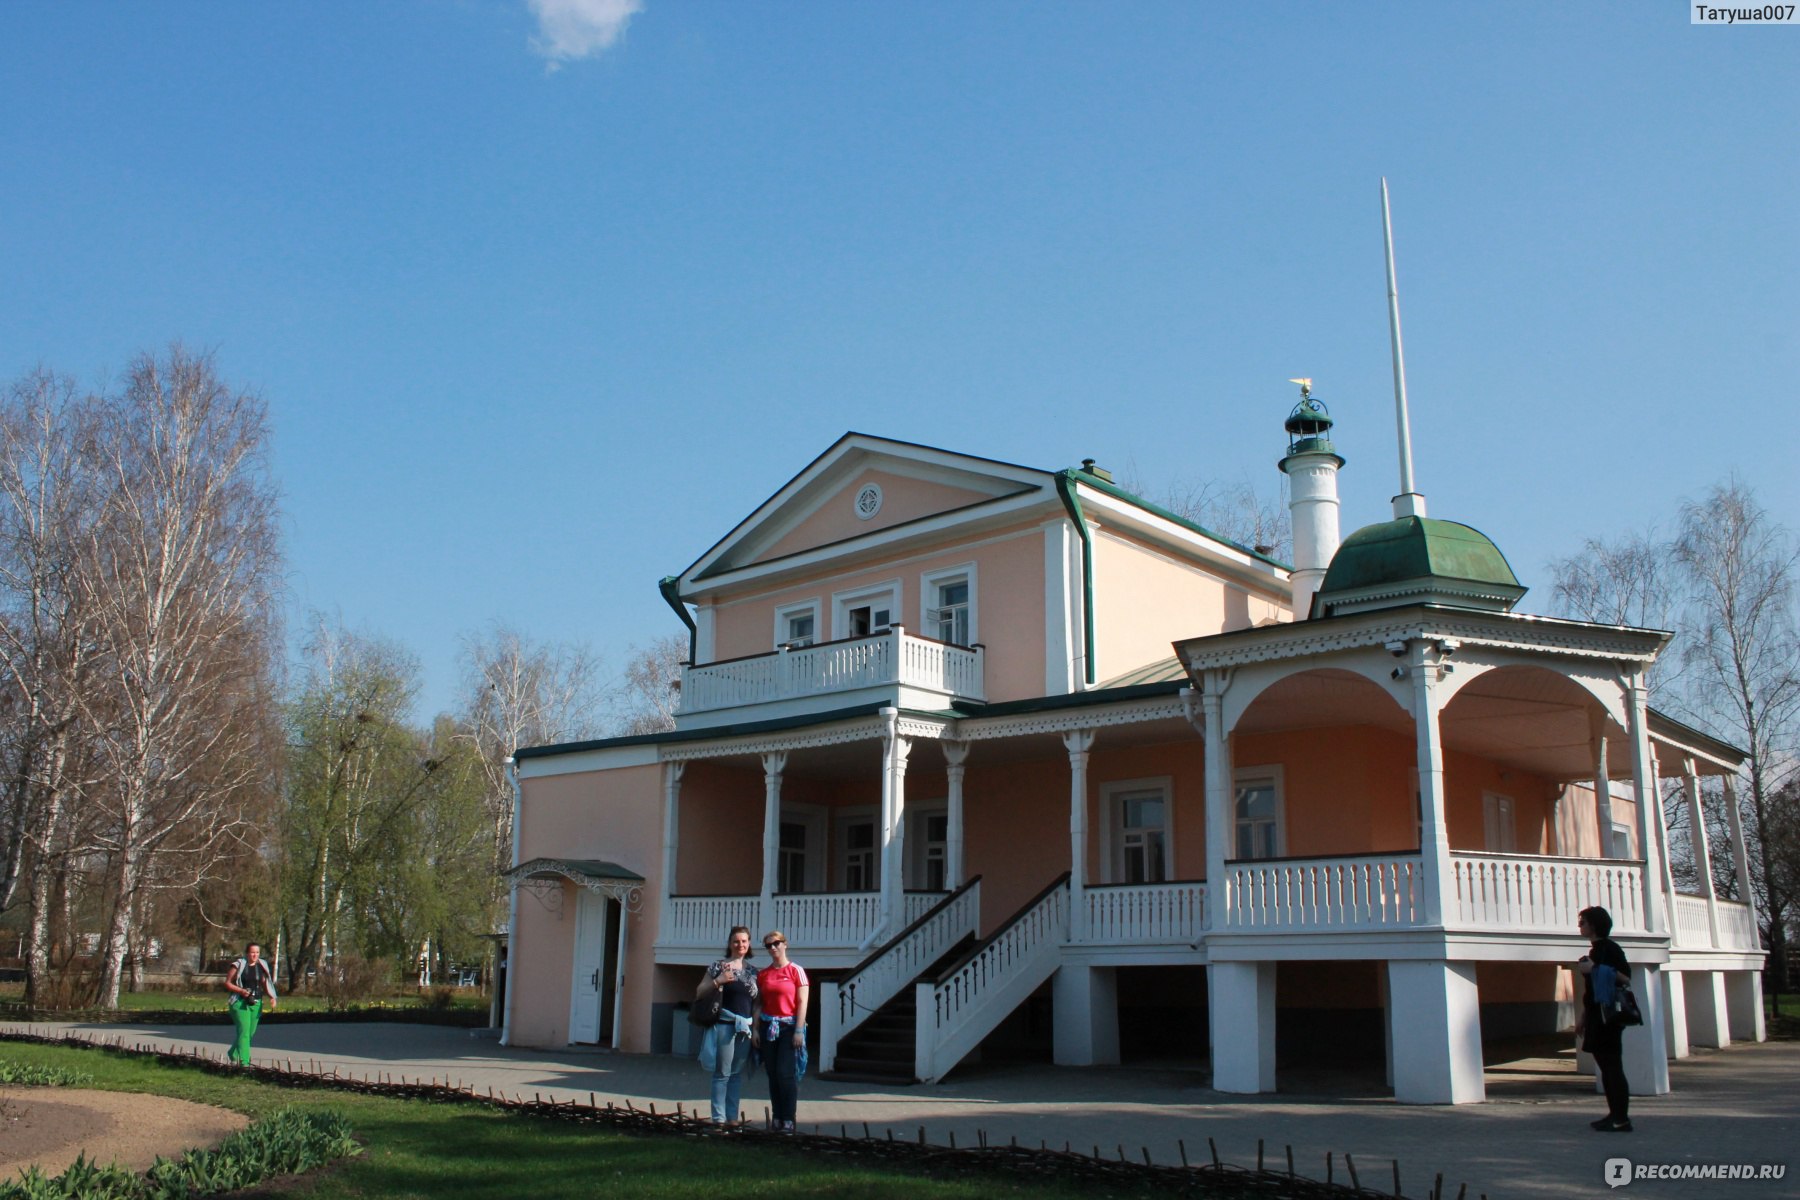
(865, 611)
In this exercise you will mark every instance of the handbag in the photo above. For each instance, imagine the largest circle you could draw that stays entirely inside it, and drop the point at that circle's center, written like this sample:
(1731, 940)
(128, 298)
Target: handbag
(705, 1010)
(1624, 1011)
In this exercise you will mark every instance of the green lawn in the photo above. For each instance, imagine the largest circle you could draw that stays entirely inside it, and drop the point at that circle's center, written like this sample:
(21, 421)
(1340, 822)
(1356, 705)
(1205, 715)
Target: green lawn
(420, 1149)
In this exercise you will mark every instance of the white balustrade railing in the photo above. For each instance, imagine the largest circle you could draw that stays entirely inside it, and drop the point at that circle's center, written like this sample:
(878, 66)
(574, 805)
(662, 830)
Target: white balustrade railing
(827, 918)
(917, 904)
(893, 657)
(1737, 929)
(946, 920)
(1145, 913)
(1539, 894)
(1692, 928)
(1359, 892)
(705, 920)
(955, 1014)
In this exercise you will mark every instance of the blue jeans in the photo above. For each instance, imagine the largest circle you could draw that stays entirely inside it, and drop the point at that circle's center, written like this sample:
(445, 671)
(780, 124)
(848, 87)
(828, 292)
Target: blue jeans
(728, 1072)
(784, 1081)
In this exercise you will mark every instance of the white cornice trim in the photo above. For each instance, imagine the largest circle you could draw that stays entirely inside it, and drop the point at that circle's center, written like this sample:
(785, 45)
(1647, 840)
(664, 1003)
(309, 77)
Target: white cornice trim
(868, 545)
(916, 461)
(1501, 631)
(1063, 720)
(860, 730)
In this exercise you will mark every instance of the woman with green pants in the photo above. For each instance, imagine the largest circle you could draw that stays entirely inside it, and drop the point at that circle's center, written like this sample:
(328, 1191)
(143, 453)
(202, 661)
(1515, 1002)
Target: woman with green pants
(250, 982)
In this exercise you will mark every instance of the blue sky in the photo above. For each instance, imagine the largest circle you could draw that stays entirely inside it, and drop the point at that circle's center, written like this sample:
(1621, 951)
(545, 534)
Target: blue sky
(545, 301)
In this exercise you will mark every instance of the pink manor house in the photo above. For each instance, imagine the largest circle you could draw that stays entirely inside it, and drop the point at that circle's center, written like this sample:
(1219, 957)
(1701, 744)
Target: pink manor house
(1024, 764)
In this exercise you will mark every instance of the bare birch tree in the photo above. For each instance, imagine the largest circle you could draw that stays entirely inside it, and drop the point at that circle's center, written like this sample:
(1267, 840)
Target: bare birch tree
(48, 499)
(1744, 655)
(651, 685)
(182, 584)
(518, 692)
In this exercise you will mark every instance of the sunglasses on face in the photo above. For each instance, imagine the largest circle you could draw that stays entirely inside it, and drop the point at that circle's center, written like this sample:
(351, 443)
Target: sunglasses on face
(773, 944)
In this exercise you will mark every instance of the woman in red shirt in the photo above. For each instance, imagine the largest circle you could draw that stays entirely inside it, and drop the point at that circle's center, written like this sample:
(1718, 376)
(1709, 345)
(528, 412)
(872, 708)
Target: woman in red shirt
(782, 994)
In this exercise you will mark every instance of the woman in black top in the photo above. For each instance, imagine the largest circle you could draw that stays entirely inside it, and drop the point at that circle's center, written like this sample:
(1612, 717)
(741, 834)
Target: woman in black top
(1598, 1037)
(728, 1042)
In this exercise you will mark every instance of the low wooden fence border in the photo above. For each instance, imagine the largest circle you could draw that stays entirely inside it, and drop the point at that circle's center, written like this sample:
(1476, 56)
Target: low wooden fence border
(1200, 1174)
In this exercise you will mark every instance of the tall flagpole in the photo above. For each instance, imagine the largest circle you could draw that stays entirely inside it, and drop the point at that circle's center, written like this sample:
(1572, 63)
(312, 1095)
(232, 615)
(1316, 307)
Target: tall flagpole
(1408, 503)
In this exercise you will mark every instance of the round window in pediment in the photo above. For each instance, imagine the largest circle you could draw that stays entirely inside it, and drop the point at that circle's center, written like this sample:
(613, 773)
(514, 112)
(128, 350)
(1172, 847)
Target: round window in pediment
(868, 501)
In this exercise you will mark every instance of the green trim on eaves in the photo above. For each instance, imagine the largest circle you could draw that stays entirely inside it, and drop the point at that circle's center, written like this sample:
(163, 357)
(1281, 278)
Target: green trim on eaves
(1099, 696)
(961, 710)
(1119, 493)
(670, 587)
(697, 735)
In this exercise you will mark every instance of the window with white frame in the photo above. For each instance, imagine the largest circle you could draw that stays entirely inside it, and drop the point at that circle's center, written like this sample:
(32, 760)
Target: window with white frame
(865, 611)
(859, 855)
(948, 600)
(790, 867)
(927, 845)
(1140, 848)
(797, 624)
(1258, 831)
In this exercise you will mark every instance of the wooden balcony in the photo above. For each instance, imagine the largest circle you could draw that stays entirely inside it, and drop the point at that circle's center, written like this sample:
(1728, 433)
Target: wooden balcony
(894, 665)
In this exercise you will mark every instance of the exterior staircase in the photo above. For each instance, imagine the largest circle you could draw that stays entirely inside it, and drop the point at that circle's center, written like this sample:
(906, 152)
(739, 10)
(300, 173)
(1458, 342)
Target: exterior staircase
(884, 1047)
(878, 993)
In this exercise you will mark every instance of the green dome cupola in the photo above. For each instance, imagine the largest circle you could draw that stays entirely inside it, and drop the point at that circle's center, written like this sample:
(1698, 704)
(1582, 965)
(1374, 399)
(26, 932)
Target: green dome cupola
(1417, 560)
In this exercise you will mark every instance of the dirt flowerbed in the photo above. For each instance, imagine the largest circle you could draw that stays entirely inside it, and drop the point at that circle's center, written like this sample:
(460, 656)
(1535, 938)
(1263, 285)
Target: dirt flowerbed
(52, 1126)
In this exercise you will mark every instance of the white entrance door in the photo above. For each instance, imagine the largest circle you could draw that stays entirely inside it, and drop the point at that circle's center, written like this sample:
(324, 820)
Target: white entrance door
(590, 967)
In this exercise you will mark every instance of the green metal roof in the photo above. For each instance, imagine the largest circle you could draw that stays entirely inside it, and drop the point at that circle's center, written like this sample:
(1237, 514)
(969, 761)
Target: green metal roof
(1415, 547)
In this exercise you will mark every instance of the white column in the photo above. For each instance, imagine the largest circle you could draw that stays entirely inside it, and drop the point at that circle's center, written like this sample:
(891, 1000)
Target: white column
(1708, 1015)
(1740, 859)
(1602, 780)
(1078, 742)
(956, 755)
(1674, 1024)
(671, 831)
(1690, 786)
(1649, 810)
(774, 762)
(1220, 807)
(1744, 1006)
(1434, 1025)
(1646, 1047)
(894, 750)
(1085, 1008)
(1434, 834)
(1241, 1000)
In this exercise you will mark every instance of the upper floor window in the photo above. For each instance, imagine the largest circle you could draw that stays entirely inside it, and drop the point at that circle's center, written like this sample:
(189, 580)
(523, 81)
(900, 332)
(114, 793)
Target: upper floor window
(1258, 819)
(948, 598)
(865, 611)
(797, 624)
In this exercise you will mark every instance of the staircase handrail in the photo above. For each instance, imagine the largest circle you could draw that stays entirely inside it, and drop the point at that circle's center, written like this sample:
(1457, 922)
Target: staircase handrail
(889, 946)
(966, 1001)
(974, 951)
(883, 975)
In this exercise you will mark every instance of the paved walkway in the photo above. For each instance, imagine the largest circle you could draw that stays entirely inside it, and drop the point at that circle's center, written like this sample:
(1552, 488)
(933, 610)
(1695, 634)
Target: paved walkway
(1531, 1139)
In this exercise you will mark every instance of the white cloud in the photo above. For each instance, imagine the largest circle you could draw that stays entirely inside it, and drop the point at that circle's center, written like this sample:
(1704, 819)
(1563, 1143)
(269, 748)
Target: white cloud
(572, 29)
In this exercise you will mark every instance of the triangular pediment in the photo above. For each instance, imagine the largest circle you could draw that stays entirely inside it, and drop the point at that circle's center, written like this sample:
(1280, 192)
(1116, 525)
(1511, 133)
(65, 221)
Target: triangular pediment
(862, 489)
